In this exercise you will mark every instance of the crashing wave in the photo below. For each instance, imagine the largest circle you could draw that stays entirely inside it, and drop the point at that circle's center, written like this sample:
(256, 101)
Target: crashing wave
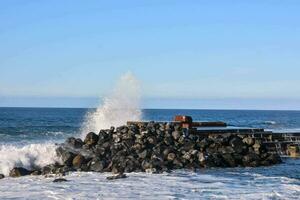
(28, 156)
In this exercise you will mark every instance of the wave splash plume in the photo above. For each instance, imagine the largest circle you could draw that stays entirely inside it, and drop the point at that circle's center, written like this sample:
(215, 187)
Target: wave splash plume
(122, 105)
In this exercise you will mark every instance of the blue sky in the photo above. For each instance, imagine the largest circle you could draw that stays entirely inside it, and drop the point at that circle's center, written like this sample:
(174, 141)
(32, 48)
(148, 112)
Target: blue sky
(193, 54)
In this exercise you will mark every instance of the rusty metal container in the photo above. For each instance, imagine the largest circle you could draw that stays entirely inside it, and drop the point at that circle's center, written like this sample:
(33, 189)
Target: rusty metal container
(183, 119)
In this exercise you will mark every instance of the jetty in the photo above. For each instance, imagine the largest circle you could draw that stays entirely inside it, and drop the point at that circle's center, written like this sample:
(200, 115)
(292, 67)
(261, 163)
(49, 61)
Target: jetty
(286, 144)
(158, 147)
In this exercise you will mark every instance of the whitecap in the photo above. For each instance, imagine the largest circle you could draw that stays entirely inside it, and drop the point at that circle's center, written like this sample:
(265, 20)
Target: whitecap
(270, 122)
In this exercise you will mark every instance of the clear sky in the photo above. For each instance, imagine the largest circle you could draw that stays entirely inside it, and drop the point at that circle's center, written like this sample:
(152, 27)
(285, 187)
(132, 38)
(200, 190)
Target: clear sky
(191, 53)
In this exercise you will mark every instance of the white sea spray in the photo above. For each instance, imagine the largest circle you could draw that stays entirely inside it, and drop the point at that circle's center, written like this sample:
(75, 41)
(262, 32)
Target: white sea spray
(122, 105)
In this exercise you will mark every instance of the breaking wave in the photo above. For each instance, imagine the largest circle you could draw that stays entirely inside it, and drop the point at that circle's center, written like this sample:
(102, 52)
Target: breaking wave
(28, 156)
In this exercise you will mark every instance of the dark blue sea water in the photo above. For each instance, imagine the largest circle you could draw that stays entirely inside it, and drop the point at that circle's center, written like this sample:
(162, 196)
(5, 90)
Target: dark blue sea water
(27, 136)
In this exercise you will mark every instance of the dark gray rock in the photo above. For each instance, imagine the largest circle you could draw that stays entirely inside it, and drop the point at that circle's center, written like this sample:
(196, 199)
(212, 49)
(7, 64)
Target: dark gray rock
(36, 173)
(229, 159)
(2, 176)
(19, 171)
(204, 143)
(257, 146)
(119, 176)
(91, 139)
(74, 143)
(238, 145)
(249, 141)
(63, 170)
(250, 159)
(51, 169)
(176, 135)
(226, 150)
(171, 156)
(66, 155)
(78, 161)
(144, 154)
(59, 180)
(274, 159)
(97, 165)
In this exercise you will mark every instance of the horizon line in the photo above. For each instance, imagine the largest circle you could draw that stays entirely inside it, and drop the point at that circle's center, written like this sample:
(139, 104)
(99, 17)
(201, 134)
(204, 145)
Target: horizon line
(217, 109)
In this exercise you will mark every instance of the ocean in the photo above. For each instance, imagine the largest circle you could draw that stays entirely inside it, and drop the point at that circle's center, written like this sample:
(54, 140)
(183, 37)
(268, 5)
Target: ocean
(28, 137)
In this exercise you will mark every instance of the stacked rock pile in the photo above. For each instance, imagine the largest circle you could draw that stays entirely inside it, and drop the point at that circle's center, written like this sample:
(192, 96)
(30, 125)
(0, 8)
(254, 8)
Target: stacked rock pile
(157, 147)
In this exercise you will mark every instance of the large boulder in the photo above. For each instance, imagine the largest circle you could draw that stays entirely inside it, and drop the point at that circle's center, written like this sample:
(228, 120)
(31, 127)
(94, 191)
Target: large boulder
(91, 139)
(274, 159)
(249, 141)
(97, 165)
(36, 173)
(204, 143)
(229, 159)
(171, 157)
(2, 176)
(65, 155)
(78, 161)
(119, 176)
(59, 180)
(52, 169)
(226, 149)
(237, 144)
(257, 146)
(176, 135)
(75, 143)
(251, 160)
(19, 171)
(144, 154)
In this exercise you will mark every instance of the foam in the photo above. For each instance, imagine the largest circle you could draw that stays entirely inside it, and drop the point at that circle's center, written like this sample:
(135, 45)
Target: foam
(177, 185)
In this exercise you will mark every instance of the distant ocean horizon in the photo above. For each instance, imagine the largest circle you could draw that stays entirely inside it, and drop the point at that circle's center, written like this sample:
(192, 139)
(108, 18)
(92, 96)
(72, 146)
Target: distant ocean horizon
(154, 108)
(157, 103)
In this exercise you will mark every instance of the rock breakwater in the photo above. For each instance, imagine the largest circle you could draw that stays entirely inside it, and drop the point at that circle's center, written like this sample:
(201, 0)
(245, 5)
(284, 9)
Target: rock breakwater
(157, 147)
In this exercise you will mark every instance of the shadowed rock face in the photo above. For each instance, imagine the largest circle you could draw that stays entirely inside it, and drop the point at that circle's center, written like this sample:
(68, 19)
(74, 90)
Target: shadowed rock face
(59, 180)
(158, 147)
(19, 171)
(119, 176)
(74, 143)
(91, 139)
(2, 176)
(78, 161)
